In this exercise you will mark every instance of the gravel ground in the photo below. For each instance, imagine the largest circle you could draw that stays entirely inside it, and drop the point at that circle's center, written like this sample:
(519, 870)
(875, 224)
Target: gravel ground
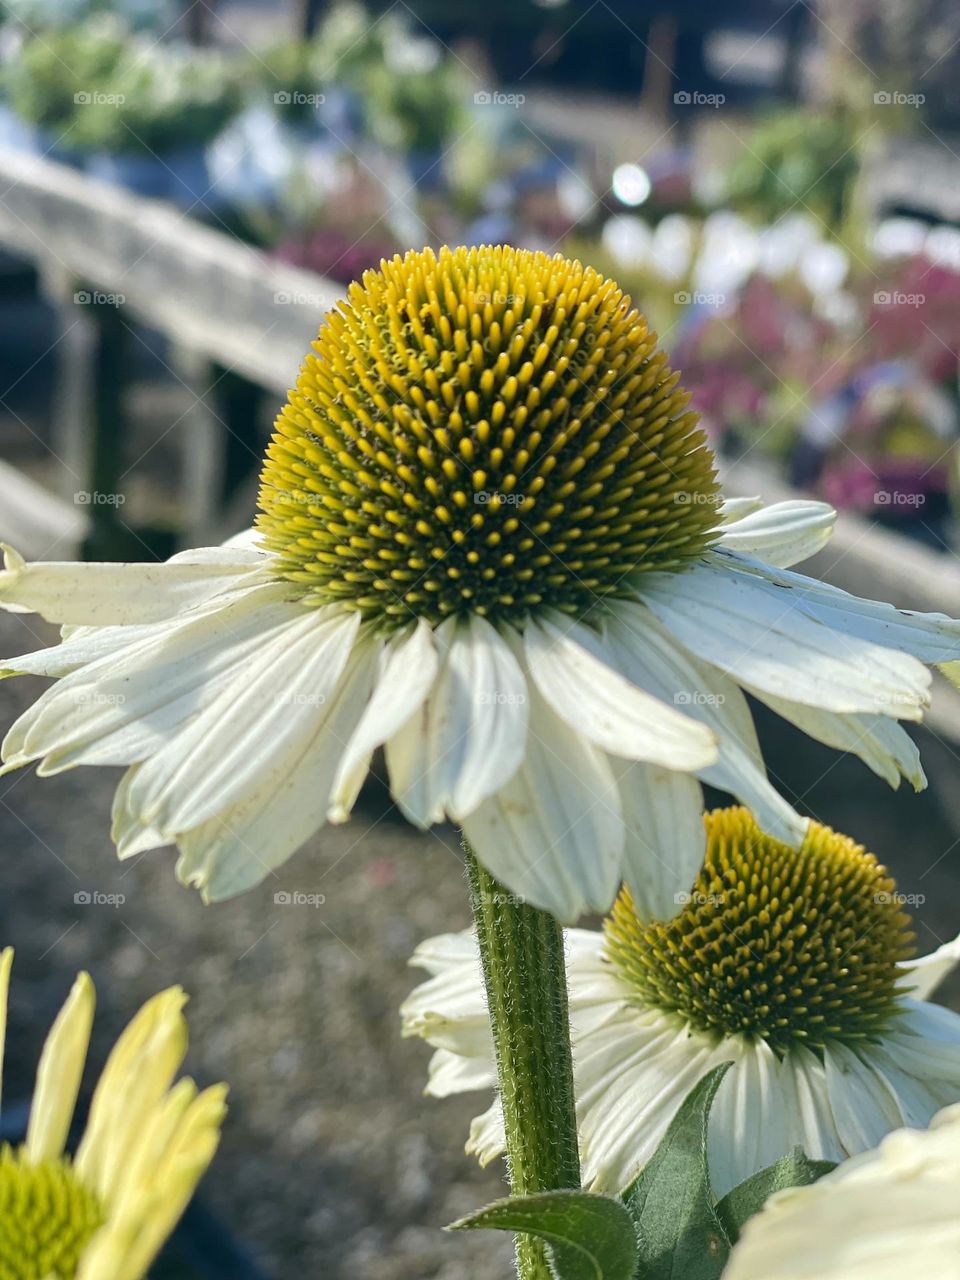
(333, 1163)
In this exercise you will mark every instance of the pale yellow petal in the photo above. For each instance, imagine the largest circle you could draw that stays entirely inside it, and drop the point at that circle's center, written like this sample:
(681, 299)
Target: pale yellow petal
(6, 963)
(60, 1072)
(138, 1073)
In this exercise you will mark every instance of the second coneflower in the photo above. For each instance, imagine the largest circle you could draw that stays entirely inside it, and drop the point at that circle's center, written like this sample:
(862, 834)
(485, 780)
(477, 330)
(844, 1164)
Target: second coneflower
(490, 539)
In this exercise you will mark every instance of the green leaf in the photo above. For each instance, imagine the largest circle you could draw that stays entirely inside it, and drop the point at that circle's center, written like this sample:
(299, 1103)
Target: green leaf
(792, 1170)
(680, 1234)
(588, 1237)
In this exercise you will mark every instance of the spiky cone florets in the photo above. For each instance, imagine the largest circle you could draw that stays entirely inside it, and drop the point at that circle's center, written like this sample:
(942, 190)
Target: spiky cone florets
(486, 430)
(798, 947)
(47, 1217)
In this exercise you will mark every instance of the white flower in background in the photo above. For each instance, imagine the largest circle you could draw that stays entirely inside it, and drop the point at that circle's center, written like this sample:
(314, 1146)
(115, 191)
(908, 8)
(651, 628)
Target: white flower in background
(890, 1213)
(490, 541)
(105, 1213)
(789, 965)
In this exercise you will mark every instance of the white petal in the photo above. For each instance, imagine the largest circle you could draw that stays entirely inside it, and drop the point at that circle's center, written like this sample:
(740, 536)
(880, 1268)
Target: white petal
(781, 534)
(104, 594)
(487, 1139)
(130, 700)
(238, 848)
(651, 657)
(923, 975)
(553, 834)
(748, 1121)
(451, 1073)
(930, 637)
(467, 739)
(763, 635)
(862, 1102)
(807, 1104)
(665, 836)
(580, 680)
(242, 740)
(732, 509)
(632, 1074)
(881, 744)
(408, 669)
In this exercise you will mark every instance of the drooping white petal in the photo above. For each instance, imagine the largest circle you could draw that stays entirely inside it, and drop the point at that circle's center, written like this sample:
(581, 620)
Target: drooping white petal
(241, 741)
(861, 1100)
(923, 975)
(104, 594)
(580, 679)
(487, 1139)
(451, 1073)
(652, 658)
(665, 836)
(632, 1074)
(930, 637)
(553, 833)
(467, 738)
(762, 634)
(749, 1125)
(408, 669)
(449, 1010)
(781, 534)
(882, 744)
(732, 509)
(129, 701)
(237, 848)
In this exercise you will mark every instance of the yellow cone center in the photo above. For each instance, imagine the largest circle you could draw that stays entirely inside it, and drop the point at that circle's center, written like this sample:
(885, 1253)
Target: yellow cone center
(794, 946)
(489, 431)
(47, 1217)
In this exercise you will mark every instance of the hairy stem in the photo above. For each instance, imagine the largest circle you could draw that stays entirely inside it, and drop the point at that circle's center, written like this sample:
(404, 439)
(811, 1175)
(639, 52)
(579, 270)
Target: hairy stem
(523, 968)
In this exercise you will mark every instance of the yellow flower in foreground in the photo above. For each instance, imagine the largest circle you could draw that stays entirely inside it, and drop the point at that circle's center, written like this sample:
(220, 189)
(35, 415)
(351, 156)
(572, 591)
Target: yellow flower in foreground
(104, 1214)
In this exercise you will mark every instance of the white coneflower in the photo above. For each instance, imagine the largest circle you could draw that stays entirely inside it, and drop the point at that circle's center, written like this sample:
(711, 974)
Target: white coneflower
(490, 540)
(791, 965)
(890, 1213)
(105, 1213)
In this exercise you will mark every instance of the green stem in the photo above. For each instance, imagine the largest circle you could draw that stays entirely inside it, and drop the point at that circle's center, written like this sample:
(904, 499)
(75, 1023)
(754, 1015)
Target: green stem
(523, 967)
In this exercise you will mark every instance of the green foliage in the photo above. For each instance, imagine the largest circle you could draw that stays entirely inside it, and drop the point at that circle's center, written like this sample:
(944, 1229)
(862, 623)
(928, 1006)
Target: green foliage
(792, 1170)
(588, 1237)
(681, 1236)
(42, 84)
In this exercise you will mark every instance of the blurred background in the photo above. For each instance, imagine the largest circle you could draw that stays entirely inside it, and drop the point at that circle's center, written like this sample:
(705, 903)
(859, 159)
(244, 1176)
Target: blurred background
(185, 189)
